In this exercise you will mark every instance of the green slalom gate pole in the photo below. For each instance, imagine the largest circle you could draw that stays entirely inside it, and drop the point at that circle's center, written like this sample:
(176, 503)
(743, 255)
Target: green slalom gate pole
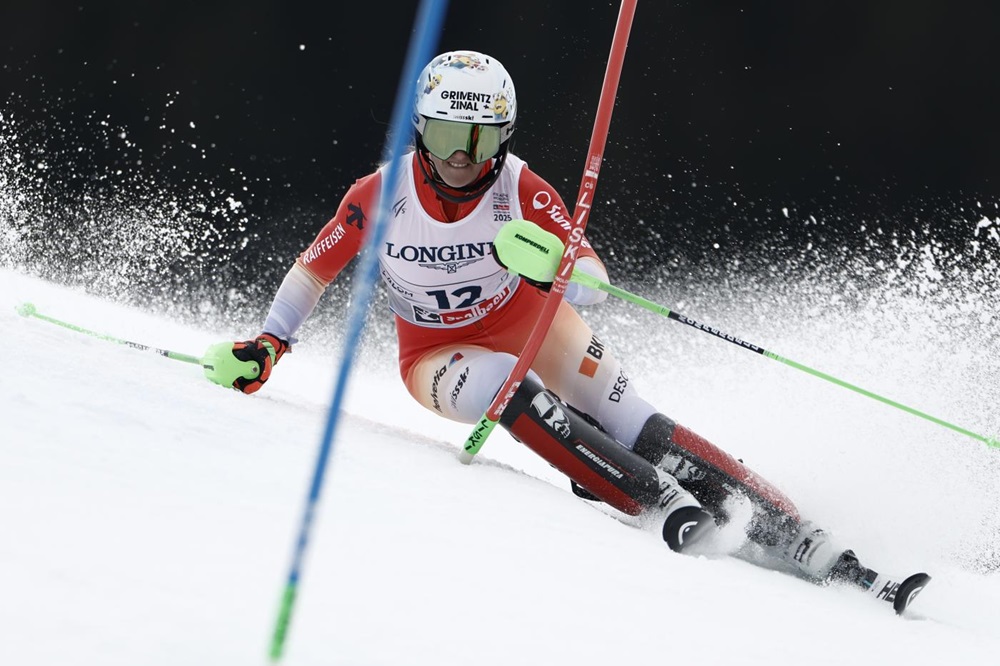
(218, 362)
(528, 250)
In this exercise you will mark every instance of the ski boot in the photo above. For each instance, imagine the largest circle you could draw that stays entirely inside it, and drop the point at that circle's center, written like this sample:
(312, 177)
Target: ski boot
(811, 553)
(685, 522)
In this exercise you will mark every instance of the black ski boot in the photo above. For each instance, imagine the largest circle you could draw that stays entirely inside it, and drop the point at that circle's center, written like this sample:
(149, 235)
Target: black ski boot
(686, 521)
(847, 569)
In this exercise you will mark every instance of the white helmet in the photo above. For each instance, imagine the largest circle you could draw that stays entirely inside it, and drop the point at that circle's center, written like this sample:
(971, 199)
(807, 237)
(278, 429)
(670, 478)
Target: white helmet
(465, 101)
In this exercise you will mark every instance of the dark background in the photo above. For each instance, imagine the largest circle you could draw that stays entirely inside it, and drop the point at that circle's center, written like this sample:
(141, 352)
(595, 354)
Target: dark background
(735, 121)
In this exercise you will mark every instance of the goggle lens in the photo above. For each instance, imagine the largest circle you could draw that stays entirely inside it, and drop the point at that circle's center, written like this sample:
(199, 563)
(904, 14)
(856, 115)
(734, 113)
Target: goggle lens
(443, 137)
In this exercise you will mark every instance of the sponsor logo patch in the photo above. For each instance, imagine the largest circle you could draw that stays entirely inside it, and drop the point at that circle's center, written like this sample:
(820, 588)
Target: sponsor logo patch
(599, 461)
(322, 245)
(448, 258)
(541, 200)
(549, 411)
(399, 208)
(434, 386)
(501, 207)
(356, 216)
(618, 390)
(459, 385)
(592, 360)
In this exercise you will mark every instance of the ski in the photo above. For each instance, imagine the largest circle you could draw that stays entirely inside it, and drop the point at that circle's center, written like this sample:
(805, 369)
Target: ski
(895, 590)
(776, 536)
(900, 594)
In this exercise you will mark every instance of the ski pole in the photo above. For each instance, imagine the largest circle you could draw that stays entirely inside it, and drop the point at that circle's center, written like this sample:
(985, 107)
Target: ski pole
(527, 249)
(219, 364)
(29, 310)
(588, 184)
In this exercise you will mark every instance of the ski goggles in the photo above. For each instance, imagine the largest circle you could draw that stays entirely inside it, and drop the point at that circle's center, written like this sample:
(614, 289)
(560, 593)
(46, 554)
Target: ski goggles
(443, 137)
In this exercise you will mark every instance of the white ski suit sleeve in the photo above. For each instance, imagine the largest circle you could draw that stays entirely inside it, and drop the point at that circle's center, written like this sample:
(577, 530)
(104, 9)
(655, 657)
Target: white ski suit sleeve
(297, 296)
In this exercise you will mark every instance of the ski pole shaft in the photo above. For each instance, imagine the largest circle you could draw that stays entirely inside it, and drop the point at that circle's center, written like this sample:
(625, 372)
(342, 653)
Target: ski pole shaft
(585, 198)
(594, 283)
(29, 310)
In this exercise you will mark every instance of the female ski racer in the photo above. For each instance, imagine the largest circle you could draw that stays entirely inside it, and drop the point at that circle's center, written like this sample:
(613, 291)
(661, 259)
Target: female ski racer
(462, 319)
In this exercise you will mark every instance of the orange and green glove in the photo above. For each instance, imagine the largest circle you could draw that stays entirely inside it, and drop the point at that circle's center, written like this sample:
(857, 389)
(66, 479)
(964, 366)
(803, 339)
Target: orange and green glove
(244, 366)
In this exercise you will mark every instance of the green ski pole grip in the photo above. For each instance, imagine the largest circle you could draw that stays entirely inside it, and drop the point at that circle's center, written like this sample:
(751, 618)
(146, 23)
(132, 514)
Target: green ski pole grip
(528, 250)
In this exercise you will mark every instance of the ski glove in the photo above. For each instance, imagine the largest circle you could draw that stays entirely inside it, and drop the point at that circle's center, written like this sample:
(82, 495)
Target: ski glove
(265, 350)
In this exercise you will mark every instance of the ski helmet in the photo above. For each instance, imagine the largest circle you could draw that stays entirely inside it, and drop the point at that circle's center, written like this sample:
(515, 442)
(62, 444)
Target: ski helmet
(464, 101)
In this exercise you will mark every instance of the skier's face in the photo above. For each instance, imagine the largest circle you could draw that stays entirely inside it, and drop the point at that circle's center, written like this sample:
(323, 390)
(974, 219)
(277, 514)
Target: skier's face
(458, 170)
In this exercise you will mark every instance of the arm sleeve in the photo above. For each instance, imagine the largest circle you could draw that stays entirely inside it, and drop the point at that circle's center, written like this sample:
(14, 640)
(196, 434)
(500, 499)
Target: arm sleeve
(297, 297)
(337, 243)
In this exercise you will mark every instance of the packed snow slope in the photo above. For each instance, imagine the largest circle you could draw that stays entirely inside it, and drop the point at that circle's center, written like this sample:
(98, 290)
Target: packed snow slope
(148, 516)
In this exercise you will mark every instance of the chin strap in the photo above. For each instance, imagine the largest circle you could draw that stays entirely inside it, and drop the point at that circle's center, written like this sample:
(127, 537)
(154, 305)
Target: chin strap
(469, 192)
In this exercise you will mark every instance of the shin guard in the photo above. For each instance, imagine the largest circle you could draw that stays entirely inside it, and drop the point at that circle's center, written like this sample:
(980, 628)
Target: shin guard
(538, 419)
(712, 475)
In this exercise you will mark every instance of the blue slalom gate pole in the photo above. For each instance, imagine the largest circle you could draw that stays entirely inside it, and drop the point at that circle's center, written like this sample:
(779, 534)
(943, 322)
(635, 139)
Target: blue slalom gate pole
(430, 16)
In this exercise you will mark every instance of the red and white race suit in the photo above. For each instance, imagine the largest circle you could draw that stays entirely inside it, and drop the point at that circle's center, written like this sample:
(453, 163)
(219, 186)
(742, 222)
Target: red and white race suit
(461, 318)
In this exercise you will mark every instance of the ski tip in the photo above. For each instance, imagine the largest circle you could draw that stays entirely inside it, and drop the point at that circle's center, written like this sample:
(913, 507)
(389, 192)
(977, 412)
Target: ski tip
(908, 591)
